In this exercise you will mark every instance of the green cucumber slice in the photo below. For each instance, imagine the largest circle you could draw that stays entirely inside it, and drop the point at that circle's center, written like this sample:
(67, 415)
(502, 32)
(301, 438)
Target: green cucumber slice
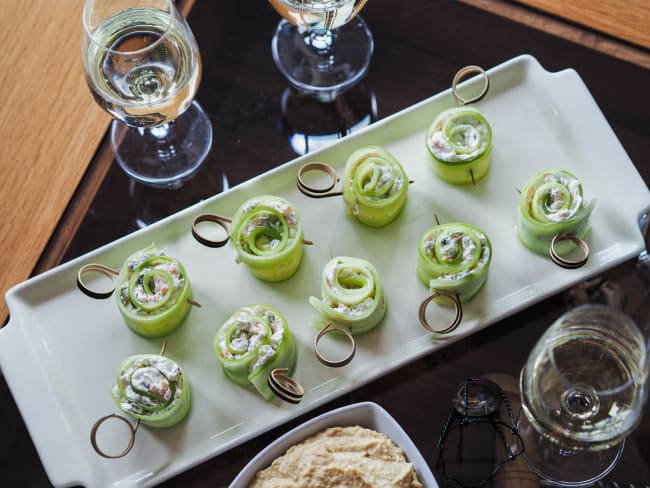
(251, 343)
(454, 258)
(153, 292)
(374, 186)
(352, 294)
(266, 232)
(552, 203)
(460, 144)
(152, 389)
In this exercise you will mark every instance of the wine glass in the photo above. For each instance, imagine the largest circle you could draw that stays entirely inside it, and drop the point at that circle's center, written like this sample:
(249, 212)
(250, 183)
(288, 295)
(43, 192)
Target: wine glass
(142, 65)
(582, 390)
(322, 47)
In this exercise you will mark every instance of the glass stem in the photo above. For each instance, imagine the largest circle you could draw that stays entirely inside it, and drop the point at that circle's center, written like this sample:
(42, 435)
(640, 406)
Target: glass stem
(322, 42)
(165, 150)
(161, 132)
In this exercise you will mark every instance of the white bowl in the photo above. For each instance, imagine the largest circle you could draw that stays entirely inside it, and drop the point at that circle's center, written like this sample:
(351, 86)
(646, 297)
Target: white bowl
(366, 414)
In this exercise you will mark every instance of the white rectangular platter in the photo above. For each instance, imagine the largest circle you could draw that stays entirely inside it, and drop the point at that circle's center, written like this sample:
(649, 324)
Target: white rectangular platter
(61, 349)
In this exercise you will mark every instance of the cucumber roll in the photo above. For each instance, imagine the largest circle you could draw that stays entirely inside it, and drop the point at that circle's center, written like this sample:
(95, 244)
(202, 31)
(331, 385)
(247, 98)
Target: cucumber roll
(460, 143)
(254, 341)
(267, 234)
(352, 294)
(153, 292)
(552, 203)
(374, 186)
(152, 389)
(454, 258)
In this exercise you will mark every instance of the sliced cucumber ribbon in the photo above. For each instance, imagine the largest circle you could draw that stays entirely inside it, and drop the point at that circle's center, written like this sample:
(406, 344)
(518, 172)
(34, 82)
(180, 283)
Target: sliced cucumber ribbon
(454, 258)
(152, 389)
(453, 262)
(460, 143)
(253, 342)
(150, 288)
(267, 234)
(374, 186)
(552, 212)
(153, 292)
(351, 294)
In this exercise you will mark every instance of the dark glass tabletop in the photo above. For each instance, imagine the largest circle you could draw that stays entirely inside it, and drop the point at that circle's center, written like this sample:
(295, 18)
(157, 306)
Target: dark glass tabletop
(259, 123)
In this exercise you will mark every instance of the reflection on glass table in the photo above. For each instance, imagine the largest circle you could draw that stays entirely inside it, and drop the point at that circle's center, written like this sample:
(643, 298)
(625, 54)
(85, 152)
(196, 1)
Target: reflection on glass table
(310, 124)
(142, 65)
(151, 204)
(322, 47)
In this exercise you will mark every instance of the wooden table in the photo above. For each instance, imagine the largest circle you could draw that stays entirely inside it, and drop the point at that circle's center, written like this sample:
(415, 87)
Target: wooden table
(627, 20)
(46, 154)
(49, 128)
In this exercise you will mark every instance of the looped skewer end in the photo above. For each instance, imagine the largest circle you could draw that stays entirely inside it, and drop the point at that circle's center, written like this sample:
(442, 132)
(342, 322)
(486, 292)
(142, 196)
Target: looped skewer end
(460, 75)
(340, 330)
(568, 263)
(454, 323)
(318, 192)
(285, 387)
(107, 271)
(93, 436)
(217, 219)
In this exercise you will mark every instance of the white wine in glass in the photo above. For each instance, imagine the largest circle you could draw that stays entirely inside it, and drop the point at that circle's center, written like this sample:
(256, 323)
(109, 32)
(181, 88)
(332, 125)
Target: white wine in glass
(322, 47)
(583, 389)
(315, 14)
(143, 66)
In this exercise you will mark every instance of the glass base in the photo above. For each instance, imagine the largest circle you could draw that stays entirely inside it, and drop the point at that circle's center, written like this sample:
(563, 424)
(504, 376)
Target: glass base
(323, 63)
(164, 156)
(561, 467)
